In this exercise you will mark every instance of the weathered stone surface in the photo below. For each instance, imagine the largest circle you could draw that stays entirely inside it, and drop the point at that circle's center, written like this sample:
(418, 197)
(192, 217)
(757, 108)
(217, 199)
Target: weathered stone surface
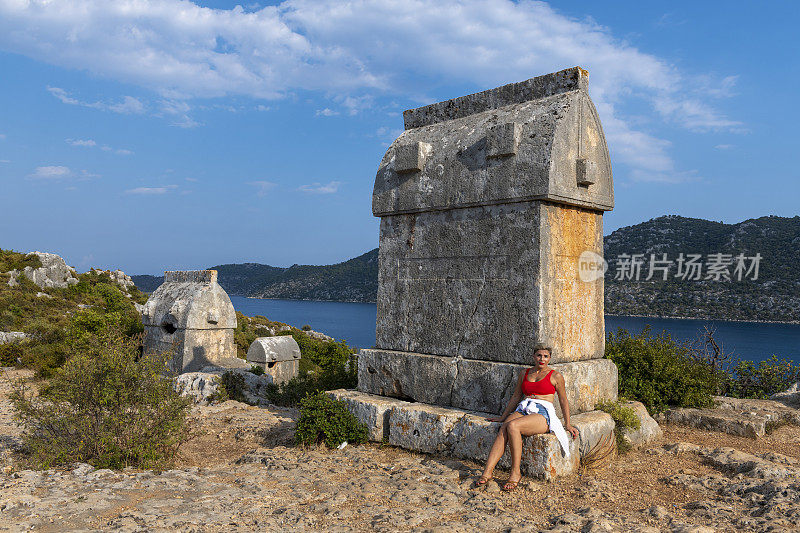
(714, 420)
(12, 336)
(191, 316)
(648, 431)
(472, 262)
(771, 410)
(273, 349)
(745, 417)
(371, 410)
(199, 386)
(483, 386)
(468, 434)
(278, 356)
(54, 272)
(421, 427)
(790, 396)
(202, 386)
(556, 130)
(490, 282)
(567, 80)
(233, 362)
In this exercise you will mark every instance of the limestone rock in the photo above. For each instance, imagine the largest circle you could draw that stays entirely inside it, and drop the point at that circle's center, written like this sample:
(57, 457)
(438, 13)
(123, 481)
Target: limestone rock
(54, 272)
(648, 428)
(200, 386)
(745, 417)
(790, 396)
(117, 276)
(203, 385)
(12, 336)
(714, 420)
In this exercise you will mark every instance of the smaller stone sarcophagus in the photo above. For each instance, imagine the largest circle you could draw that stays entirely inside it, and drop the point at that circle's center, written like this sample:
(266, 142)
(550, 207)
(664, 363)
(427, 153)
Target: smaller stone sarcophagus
(278, 356)
(192, 316)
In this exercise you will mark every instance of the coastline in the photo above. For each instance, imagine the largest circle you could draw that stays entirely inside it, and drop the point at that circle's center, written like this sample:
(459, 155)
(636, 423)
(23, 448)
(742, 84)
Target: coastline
(794, 322)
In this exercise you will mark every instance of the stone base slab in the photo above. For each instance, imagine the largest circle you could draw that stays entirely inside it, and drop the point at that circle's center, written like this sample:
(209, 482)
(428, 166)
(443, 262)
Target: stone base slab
(467, 434)
(475, 385)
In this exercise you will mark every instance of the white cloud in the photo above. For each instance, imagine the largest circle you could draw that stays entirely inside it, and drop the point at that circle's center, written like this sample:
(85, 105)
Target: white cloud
(327, 112)
(354, 52)
(5, 161)
(262, 187)
(90, 143)
(151, 190)
(318, 188)
(723, 147)
(51, 173)
(81, 142)
(2, 136)
(128, 106)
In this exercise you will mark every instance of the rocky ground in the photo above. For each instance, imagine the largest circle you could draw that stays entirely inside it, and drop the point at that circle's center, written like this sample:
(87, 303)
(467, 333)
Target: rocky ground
(241, 472)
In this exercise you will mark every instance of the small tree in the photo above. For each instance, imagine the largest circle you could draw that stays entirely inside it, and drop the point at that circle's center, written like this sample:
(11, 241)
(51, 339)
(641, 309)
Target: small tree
(107, 406)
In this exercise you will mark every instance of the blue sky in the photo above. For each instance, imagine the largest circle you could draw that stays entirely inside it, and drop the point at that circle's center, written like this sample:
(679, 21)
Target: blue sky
(153, 135)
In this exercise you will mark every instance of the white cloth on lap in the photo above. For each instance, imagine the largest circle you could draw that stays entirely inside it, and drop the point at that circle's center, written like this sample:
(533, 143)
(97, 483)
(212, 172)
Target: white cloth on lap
(529, 407)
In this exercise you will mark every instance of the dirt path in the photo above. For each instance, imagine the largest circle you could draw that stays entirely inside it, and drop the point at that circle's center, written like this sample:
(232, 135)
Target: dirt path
(240, 472)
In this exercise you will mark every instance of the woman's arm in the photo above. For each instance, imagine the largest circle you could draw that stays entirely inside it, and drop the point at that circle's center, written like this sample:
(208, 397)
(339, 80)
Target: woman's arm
(562, 400)
(512, 403)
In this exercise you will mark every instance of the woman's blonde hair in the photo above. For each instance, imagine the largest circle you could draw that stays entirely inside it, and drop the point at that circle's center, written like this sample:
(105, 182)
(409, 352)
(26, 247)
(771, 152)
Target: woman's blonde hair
(542, 347)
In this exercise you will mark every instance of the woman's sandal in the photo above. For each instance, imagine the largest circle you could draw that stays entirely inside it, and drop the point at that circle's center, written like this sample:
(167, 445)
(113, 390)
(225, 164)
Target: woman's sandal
(511, 486)
(481, 481)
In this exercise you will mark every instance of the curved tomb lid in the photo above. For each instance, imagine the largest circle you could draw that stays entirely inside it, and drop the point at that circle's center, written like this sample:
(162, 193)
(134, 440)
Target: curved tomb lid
(540, 139)
(190, 300)
(273, 349)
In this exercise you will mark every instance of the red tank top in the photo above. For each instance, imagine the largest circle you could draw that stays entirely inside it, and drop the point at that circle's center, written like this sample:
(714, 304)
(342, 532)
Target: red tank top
(539, 388)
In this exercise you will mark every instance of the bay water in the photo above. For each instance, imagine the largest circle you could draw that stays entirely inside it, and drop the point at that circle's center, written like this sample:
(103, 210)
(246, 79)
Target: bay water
(355, 323)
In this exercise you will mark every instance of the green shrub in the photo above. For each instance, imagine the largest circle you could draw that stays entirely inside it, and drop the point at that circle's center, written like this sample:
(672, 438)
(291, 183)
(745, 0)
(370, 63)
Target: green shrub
(257, 370)
(11, 260)
(306, 328)
(762, 379)
(231, 387)
(107, 406)
(659, 372)
(323, 419)
(624, 418)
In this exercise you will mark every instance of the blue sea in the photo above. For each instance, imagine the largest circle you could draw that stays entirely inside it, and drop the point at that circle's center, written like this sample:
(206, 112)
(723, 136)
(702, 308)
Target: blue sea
(355, 323)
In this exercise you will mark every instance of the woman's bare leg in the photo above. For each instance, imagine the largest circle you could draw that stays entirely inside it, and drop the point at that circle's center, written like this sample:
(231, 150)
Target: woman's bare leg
(524, 425)
(498, 447)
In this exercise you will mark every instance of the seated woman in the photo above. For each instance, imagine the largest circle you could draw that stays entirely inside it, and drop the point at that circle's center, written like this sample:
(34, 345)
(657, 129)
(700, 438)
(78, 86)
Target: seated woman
(534, 414)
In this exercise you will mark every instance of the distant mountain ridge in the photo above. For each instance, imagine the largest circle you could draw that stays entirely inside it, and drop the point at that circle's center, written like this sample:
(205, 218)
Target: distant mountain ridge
(354, 280)
(774, 295)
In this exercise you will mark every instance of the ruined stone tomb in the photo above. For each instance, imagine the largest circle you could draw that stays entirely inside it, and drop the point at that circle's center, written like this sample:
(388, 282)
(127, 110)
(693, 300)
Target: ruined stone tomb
(191, 316)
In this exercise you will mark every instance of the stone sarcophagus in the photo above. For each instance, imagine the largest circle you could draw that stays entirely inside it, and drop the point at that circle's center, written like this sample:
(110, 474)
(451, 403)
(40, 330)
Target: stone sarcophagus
(488, 203)
(191, 316)
(277, 356)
